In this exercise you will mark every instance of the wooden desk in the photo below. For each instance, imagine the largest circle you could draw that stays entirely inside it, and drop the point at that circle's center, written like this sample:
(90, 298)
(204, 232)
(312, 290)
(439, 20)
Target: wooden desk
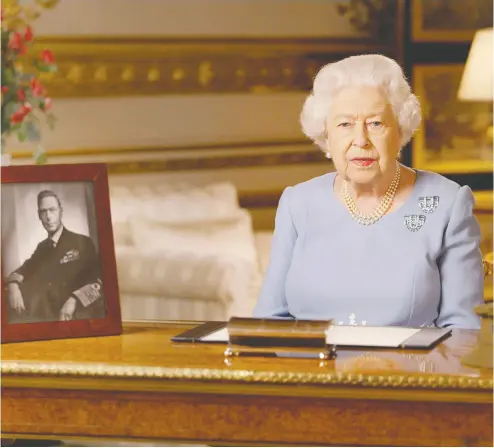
(141, 386)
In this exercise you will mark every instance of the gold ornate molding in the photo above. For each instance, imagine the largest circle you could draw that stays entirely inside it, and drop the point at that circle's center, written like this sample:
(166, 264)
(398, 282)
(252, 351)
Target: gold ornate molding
(288, 155)
(109, 67)
(488, 262)
(213, 162)
(383, 380)
(216, 162)
(16, 154)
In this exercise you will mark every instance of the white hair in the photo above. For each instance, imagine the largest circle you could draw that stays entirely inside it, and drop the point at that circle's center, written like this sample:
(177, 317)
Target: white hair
(357, 71)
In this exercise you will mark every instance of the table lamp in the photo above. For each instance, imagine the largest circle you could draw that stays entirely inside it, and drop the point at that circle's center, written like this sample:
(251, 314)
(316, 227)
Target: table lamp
(476, 81)
(476, 85)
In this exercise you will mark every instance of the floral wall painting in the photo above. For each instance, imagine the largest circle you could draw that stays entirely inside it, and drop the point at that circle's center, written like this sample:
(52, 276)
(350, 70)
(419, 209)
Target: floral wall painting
(453, 136)
(449, 20)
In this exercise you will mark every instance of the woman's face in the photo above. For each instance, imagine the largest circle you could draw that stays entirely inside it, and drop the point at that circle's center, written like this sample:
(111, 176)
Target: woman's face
(363, 135)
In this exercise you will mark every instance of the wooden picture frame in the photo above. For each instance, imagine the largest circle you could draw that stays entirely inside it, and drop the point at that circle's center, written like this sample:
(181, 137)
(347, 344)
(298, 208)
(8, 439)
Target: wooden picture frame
(60, 257)
(449, 20)
(453, 134)
(483, 211)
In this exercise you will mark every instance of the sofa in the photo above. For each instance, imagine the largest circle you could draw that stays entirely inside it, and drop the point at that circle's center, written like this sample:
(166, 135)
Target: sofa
(185, 251)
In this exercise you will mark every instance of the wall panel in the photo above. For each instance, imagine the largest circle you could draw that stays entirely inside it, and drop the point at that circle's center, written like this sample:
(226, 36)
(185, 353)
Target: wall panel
(158, 18)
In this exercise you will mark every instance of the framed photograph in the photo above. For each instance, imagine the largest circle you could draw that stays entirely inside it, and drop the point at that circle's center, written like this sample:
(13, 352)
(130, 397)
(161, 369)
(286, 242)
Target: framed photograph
(483, 211)
(59, 277)
(449, 20)
(455, 136)
(484, 214)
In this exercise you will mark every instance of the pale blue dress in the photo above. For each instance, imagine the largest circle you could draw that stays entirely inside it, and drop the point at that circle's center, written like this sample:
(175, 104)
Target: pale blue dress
(324, 265)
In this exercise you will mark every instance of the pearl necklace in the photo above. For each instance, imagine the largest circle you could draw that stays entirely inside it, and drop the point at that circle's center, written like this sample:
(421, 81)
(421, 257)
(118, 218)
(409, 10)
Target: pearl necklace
(380, 210)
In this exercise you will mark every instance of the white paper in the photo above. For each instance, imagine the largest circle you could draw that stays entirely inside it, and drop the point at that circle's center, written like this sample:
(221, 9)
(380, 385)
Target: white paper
(369, 336)
(216, 336)
(347, 336)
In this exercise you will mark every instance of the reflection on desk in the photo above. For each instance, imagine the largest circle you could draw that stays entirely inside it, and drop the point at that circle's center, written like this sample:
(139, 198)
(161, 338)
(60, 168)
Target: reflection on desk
(445, 359)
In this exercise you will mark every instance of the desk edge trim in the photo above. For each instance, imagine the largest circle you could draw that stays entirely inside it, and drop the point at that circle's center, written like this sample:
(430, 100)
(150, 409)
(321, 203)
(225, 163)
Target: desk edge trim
(394, 381)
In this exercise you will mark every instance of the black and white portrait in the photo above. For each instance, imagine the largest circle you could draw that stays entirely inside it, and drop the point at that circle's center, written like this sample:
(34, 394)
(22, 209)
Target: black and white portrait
(50, 258)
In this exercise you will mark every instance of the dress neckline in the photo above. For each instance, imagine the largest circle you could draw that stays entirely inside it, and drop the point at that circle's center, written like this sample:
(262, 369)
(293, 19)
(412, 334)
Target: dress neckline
(417, 186)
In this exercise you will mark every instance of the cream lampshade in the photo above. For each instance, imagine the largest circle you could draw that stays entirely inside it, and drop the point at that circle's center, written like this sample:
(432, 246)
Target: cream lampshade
(476, 81)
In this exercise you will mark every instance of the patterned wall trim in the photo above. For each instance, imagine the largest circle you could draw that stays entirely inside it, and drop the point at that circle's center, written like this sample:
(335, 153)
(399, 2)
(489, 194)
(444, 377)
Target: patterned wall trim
(284, 156)
(98, 67)
(166, 149)
(237, 155)
(217, 162)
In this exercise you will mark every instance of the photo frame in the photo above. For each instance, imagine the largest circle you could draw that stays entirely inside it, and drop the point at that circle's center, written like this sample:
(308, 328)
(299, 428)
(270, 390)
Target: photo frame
(483, 211)
(59, 276)
(449, 20)
(453, 136)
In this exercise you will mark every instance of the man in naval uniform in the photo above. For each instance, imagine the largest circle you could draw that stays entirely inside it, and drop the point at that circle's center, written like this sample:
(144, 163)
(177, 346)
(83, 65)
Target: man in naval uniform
(62, 278)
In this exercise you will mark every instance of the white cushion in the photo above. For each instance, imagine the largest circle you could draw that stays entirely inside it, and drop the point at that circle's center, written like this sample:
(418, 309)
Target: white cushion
(191, 276)
(169, 203)
(157, 308)
(232, 237)
(193, 243)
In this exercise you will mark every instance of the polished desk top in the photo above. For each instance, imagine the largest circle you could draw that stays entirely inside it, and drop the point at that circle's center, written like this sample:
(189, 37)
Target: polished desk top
(144, 358)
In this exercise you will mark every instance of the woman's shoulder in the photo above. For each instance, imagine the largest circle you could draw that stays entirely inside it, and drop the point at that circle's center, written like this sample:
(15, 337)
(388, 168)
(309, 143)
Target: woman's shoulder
(446, 191)
(430, 179)
(302, 196)
(319, 183)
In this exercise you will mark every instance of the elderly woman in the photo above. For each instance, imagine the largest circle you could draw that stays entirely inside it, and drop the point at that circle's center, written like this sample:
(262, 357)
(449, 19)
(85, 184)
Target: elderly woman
(375, 242)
